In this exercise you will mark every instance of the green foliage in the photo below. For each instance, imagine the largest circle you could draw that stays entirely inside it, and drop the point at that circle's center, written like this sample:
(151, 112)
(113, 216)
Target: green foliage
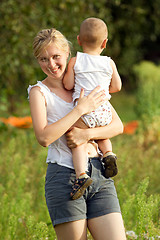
(148, 97)
(148, 102)
(144, 210)
(22, 186)
(36, 231)
(149, 132)
(124, 102)
(23, 211)
(21, 20)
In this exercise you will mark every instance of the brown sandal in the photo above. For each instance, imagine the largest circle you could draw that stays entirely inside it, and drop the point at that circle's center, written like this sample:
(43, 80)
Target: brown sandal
(80, 186)
(110, 165)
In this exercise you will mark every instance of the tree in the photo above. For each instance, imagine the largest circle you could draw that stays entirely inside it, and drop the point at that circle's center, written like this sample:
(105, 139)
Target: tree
(133, 34)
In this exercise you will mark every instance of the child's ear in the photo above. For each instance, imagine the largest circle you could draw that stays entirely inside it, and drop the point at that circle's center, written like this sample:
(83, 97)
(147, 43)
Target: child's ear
(104, 43)
(78, 39)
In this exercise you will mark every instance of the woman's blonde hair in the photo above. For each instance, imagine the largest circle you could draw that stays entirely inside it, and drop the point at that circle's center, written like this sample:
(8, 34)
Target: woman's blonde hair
(47, 36)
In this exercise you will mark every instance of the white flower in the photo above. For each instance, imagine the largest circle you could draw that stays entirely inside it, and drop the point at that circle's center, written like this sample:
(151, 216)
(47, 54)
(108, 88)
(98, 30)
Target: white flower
(131, 234)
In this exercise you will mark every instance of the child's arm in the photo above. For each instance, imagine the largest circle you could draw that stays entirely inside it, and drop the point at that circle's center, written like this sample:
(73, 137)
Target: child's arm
(116, 84)
(68, 79)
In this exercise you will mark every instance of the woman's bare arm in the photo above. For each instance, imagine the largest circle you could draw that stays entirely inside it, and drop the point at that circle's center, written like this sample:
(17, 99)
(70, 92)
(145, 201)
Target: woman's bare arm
(46, 134)
(79, 136)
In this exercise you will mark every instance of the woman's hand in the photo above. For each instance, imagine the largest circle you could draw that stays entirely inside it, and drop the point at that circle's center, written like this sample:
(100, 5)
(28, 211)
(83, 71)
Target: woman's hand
(76, 136)
(89, 103)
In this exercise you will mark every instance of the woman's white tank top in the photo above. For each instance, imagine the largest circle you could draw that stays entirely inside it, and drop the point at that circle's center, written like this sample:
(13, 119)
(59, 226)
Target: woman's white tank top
(57, 108)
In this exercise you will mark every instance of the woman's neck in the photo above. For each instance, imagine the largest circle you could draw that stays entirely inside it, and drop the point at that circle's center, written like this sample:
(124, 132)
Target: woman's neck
(52, 83)
(57, 87)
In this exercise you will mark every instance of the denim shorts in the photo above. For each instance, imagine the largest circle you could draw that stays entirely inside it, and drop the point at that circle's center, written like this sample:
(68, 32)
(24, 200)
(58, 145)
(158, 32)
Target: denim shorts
(99, 199)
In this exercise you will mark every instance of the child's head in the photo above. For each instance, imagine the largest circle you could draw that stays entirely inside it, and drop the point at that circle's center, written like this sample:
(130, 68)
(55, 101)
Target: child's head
(47, 36)
(93, 31)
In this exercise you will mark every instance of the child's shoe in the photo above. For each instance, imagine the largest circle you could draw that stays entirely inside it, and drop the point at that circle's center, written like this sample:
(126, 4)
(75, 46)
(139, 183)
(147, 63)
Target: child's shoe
(80, 186)
(109, 160)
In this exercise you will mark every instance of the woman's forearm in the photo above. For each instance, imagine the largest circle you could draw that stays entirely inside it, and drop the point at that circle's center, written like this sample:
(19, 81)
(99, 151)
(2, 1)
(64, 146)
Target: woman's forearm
(55, 130)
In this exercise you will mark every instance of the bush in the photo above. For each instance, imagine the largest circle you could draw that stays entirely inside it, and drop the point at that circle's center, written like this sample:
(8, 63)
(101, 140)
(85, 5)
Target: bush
(148, 97)
(140, 212)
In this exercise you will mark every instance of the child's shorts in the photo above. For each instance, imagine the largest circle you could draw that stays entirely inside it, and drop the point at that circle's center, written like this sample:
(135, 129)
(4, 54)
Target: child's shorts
(100, 117)
(99, 199)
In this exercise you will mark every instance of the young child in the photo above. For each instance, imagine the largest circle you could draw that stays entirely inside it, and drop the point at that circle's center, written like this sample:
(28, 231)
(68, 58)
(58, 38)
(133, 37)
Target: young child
(88, 70)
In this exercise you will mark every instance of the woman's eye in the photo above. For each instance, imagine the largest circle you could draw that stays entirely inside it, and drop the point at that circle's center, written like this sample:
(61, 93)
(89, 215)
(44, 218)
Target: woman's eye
(56, 56)
(43, 59)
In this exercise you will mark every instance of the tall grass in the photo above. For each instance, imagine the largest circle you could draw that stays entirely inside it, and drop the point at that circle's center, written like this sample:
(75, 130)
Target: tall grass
(23, 212)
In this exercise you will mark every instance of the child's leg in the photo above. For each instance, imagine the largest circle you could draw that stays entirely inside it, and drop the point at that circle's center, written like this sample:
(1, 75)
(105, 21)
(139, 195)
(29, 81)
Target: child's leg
(109, 158)
(79, 155)
(105, 146)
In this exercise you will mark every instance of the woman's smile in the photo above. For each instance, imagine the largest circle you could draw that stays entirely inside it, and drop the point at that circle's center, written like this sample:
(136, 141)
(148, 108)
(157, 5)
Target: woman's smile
(54, 70)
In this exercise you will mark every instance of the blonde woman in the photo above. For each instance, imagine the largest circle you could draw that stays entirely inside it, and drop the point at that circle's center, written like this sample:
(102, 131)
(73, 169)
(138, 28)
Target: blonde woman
(53, 114)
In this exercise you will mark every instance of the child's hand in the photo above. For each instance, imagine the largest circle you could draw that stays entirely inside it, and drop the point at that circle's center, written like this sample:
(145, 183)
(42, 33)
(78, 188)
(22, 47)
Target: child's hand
(91, 102)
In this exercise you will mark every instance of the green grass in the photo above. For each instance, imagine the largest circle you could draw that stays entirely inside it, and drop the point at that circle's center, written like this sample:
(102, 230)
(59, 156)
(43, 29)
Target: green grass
(23, 211)
(125, 105)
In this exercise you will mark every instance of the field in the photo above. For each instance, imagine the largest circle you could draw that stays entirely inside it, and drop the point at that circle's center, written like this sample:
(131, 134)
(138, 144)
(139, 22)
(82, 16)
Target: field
(23, 212)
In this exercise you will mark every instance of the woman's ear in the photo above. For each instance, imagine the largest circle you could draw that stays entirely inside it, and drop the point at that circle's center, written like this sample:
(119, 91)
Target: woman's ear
(78, 39)
(104, 43)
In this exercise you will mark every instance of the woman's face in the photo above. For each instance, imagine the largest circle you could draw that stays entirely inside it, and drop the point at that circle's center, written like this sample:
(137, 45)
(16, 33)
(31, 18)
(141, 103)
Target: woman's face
(53, 61)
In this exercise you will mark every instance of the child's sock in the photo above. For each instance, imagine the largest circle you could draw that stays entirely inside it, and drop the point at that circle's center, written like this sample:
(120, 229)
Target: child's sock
(108, 153)
(83, 175)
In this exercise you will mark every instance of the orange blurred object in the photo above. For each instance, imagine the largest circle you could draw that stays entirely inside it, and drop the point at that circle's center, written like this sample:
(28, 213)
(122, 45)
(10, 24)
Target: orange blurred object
(26, 122)
(130, 128)
(19, 122)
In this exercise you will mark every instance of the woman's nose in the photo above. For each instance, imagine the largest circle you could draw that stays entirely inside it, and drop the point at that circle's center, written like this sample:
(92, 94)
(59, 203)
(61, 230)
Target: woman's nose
(51, 62)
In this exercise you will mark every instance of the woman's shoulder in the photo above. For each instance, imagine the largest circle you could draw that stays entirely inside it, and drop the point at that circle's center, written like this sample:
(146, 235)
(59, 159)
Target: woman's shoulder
(38, 87)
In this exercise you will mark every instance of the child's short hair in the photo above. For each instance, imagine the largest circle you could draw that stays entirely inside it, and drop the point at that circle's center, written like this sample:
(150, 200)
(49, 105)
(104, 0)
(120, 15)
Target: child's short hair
(47, 36)
(93, 31)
